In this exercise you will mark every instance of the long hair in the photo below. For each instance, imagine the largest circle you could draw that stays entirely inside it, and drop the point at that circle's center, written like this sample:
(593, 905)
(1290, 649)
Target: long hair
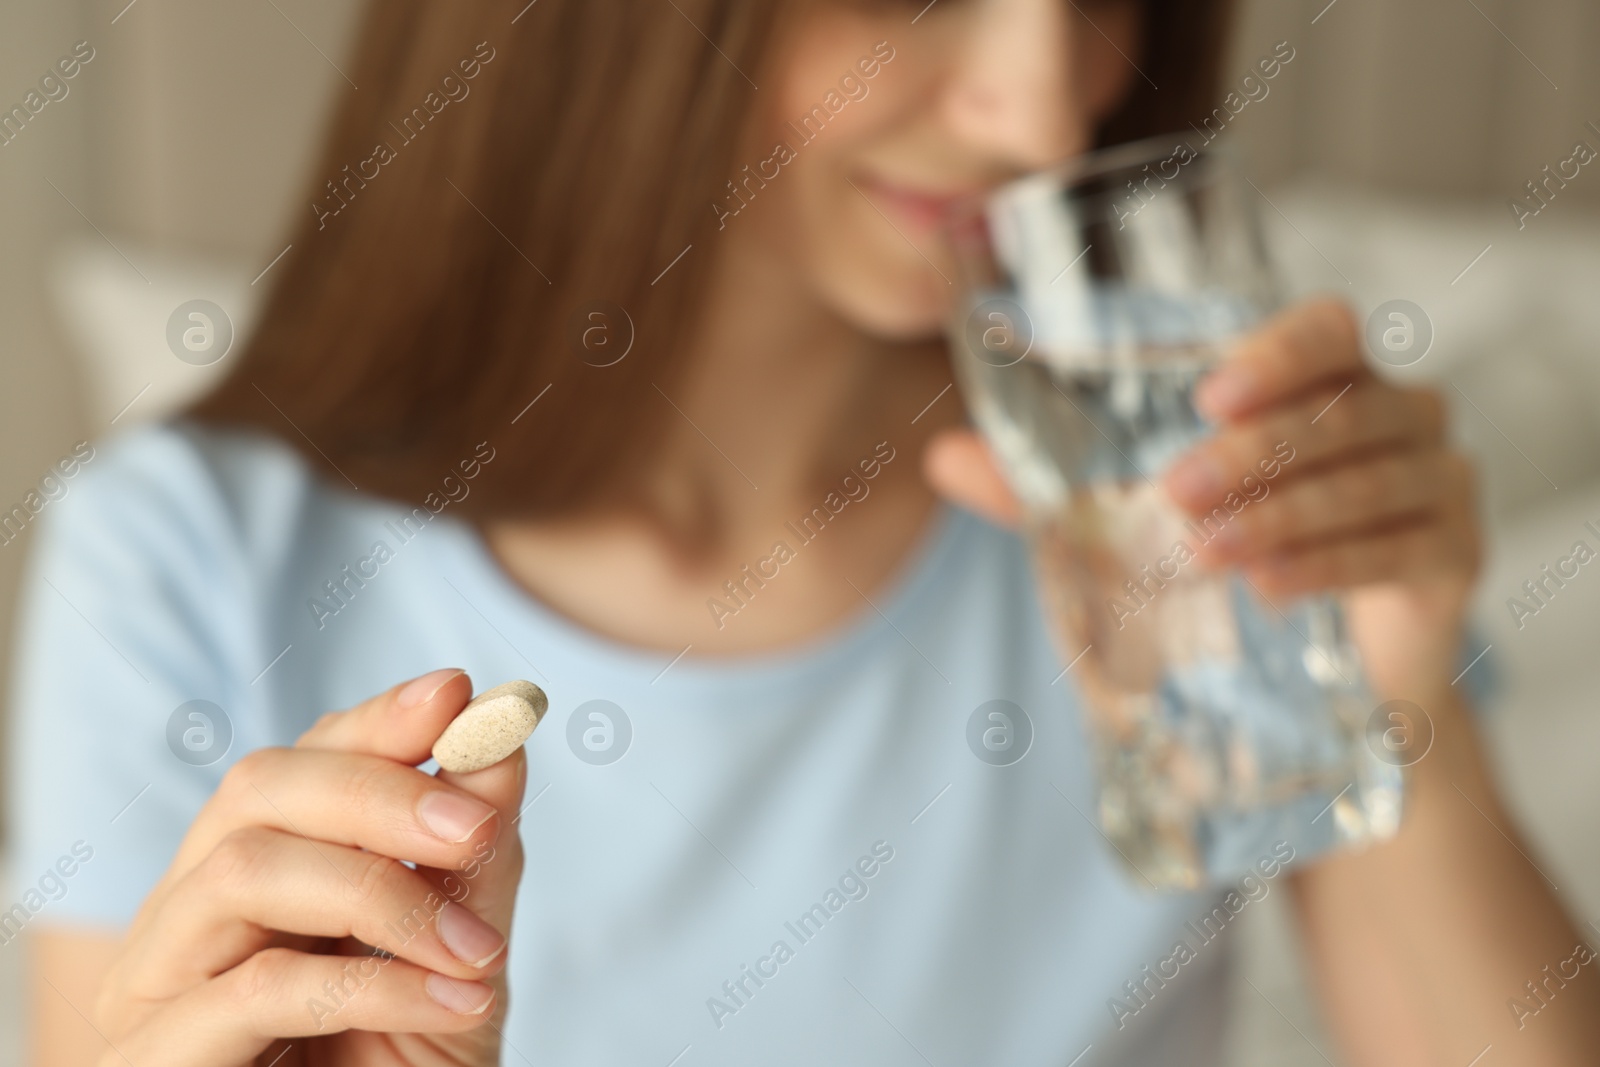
(516, 194)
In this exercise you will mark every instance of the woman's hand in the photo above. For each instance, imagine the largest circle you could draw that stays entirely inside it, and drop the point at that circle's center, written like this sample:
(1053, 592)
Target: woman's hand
(255, 944)
(1373, 503)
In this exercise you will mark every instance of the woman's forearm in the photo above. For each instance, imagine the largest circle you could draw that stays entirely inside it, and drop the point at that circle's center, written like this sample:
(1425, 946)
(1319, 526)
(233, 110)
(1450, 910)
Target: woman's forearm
(1448, 939)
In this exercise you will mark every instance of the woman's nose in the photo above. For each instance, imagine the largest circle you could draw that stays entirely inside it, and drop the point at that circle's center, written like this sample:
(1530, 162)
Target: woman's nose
(1012, 93)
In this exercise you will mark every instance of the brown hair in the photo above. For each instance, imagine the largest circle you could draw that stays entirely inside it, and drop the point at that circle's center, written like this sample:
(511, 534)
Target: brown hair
(502, 170)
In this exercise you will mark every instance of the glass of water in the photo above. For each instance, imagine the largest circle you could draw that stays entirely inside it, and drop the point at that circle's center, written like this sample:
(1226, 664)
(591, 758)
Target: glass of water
(1092, 300)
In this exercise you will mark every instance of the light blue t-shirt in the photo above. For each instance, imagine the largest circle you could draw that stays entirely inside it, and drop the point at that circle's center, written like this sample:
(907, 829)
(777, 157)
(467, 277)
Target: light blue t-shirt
(931, 907)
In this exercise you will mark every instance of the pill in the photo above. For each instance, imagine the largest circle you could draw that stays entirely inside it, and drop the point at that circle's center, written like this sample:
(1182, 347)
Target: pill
(492, 726)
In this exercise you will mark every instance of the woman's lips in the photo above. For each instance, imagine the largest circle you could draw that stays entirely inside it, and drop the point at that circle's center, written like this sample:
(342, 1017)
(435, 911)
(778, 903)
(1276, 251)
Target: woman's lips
(921, 209)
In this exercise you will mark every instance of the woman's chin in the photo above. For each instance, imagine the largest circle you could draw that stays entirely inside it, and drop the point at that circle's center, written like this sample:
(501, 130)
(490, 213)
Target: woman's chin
(899, 310)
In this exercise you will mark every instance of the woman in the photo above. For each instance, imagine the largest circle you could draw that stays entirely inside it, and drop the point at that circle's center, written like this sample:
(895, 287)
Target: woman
(565, 347)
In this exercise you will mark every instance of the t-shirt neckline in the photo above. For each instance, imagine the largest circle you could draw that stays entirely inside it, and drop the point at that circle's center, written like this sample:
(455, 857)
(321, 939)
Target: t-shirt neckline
(559, 638)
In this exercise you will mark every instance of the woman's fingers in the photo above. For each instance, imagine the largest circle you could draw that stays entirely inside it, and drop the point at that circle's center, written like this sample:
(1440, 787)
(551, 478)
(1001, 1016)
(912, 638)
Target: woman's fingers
(1304, 435)
(1282, 392)
(1443, 542)
(280, 993)
(1401, 552)
(487, 883)
(1343, 502)
(401, 724)
(1311, 344)
(347, 799)
(308, 848)
(259, 881)
(958, 465)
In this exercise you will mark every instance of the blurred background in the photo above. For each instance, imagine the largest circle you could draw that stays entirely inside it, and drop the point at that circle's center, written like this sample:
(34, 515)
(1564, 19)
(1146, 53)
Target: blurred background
(1388, 153)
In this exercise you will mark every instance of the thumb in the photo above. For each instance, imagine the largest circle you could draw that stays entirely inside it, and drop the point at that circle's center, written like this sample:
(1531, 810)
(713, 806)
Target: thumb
(960, 467)
(487, 883)
(402, 724)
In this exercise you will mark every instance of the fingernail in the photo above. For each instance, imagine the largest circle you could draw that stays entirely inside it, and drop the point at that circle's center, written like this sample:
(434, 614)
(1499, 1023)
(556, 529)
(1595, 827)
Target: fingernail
(421, 690)
(463, 998)
(1194, 479)
(1225, 390)
(469, 938)
(451, 816)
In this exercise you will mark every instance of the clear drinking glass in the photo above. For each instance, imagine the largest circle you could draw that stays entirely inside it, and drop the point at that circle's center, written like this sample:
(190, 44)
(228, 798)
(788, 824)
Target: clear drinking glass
(1093, 299)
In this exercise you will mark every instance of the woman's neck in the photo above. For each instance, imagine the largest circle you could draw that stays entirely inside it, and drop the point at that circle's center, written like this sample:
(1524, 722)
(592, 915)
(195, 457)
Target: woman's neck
(785, 403)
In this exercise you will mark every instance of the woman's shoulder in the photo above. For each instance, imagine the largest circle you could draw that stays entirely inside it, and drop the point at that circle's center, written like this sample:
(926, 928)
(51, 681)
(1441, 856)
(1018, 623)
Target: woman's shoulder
(163, 559)
(181, 488)
(179, 461)
(175, 521)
